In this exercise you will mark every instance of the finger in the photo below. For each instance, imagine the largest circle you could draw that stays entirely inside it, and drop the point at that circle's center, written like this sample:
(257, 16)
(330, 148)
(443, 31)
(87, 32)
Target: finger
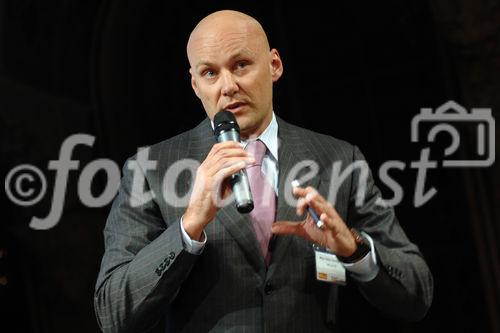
(301, 203)
(299, 191)
(331, 223)
(325, 207)
(317, 202)
(229, 161)
(228, 153)
(309, 193)
(306, 229)
(301, 206)
(214, 168)
(231, 154)
(306, 196)
(225, 144)
(310, 232)
(216, 148)
(303, 191)
(220, 189)
(230, 169)
(286, 227)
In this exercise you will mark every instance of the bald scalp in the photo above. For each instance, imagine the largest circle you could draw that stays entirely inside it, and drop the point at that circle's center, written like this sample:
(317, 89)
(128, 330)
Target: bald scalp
(217, 24)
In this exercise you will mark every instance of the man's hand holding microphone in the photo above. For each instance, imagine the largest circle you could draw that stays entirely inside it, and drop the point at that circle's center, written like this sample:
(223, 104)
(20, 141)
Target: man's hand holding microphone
(220, 174)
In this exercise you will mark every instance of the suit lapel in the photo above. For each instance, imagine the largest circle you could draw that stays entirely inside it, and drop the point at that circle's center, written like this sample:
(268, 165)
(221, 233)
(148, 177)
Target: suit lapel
(241, 229)
(292, 150)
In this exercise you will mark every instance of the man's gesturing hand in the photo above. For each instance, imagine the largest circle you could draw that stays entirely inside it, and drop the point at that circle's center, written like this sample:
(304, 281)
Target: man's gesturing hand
(211, 184)
(335, 235)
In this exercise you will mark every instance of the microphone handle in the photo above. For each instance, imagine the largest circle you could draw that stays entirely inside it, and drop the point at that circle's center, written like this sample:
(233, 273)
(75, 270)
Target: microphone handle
(238, 181)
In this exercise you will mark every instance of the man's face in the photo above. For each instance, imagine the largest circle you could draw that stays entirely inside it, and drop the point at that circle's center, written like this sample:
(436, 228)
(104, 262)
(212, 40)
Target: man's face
(232, 69)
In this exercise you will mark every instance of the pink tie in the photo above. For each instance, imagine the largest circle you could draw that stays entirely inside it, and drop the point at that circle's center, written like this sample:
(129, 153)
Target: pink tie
(264, 198)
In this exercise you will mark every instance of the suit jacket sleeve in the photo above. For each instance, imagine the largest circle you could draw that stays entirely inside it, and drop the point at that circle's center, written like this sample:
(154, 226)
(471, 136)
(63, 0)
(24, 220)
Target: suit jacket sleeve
(144, 263)
(403, 287)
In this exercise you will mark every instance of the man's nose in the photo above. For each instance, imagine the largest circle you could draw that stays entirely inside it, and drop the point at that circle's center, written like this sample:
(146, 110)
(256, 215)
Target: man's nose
(229, 85)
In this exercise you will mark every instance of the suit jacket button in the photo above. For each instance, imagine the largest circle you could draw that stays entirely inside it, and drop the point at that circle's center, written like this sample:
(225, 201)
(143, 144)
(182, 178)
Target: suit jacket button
(171, 255)
(268, 288)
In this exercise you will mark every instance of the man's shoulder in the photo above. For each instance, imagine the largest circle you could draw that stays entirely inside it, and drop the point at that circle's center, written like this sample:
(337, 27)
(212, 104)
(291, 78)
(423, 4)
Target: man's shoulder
(176, 144)
(179, 144)
(323, 144)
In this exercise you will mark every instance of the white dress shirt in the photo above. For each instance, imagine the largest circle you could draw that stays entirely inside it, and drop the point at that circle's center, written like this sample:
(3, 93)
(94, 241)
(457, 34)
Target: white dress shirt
(364, 270)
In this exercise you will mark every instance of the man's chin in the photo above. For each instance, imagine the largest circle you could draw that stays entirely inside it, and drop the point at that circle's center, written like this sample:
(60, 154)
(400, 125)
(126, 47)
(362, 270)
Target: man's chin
(242, 121)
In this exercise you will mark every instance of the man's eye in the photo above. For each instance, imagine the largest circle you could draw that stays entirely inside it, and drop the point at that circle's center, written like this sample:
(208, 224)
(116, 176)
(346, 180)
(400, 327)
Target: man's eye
(208, 73)
(241, 64)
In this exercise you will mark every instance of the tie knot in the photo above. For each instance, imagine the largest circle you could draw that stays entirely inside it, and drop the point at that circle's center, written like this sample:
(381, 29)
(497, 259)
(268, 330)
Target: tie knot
(258, 149)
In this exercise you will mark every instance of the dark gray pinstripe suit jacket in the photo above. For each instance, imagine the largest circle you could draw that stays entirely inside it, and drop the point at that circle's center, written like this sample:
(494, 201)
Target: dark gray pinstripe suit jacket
(146, 274)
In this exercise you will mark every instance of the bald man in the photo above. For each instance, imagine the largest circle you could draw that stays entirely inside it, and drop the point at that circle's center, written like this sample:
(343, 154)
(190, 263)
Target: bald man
(203, 266)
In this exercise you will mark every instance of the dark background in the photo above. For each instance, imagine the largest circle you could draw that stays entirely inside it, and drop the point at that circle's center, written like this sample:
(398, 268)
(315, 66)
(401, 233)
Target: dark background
(356, 70)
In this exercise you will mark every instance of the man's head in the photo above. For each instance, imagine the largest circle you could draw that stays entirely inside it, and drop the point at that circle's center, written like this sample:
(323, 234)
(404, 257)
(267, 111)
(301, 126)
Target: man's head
(233, 68)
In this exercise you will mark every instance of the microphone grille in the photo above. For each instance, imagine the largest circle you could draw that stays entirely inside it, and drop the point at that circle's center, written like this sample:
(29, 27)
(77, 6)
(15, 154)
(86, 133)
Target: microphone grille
(225, 120)
(224, 116)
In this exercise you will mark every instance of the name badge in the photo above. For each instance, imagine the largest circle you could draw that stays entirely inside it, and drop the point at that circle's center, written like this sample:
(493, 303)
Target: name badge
(328, 267)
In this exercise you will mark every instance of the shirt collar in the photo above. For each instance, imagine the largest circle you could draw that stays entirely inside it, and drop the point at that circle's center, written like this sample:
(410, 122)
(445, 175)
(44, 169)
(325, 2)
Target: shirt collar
(269, 137)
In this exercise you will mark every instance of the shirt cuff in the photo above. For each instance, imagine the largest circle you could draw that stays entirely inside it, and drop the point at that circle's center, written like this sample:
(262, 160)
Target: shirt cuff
(190, 245)
(366, 268)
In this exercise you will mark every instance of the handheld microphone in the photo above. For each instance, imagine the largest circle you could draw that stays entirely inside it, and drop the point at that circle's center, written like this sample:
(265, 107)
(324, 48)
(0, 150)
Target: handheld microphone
(226, 129)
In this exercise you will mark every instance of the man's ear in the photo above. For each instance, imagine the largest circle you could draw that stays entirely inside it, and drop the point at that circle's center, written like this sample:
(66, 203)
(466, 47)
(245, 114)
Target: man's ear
(276, 65)
(193, 83)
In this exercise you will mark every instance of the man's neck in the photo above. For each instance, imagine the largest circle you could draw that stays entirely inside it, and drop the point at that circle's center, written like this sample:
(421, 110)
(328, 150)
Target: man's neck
(261, 128)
